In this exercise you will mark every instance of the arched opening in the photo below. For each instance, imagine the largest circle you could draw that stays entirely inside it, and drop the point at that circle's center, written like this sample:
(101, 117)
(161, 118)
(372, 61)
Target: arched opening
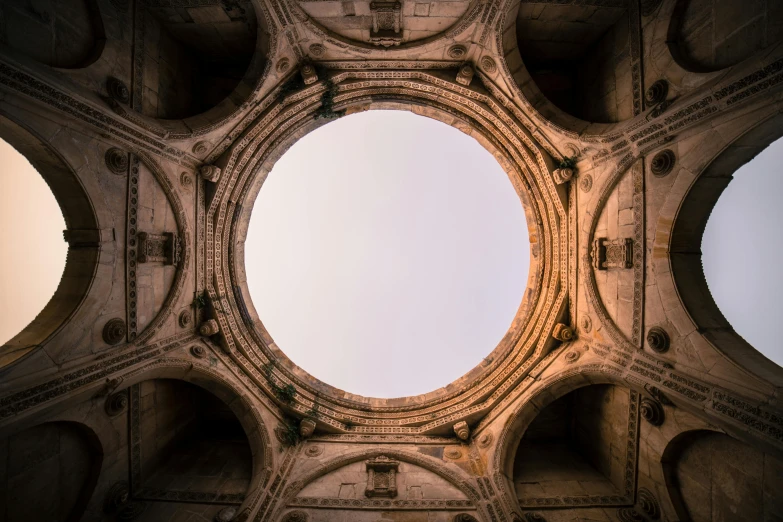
(48, 472)
(67, 35)
(201, 56)
(744, 281)
(578, 57)
(711, 476)
(192, 446)
(372, 239)
(576, 446)
(688, 267)
(83, 247)
(32, 250)
(710, 35)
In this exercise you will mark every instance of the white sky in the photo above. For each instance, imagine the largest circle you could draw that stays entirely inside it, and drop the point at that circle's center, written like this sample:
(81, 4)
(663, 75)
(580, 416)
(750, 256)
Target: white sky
(387, 253)
(741, 251)
(32, 249)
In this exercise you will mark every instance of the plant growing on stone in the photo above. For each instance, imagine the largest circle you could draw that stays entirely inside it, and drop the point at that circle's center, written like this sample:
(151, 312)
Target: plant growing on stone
(326, 110)
(289, 433)
(567, 163)
(285, 393)
(200, 301)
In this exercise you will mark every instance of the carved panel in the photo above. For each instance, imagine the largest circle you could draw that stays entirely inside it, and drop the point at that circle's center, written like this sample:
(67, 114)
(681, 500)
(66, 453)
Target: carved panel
(161, 248)
(382, 477)
(612, 253)
(386, 23)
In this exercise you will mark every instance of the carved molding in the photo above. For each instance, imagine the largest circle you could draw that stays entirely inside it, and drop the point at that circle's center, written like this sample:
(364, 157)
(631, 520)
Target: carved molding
(381, 477)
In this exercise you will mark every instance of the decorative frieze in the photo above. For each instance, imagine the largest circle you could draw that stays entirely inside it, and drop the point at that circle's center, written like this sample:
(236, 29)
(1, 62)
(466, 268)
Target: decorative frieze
(381, 477)
(612, 253)
(163, 248)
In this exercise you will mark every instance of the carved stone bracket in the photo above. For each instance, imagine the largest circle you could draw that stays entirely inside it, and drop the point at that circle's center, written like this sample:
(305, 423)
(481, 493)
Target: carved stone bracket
(612, 253)
(562, 175)
(306, 428)
(563, 332)
(209, 328)
(382, 479)
(386, 23)
(462, 430)
(652, 411)
(309, 74)
(165, 248)
(210, 173)
(465, 75)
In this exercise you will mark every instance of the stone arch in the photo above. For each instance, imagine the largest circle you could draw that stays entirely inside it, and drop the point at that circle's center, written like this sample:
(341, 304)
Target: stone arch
(457, 478)
(209, 60)
(703, 37)
(710, 475)
(66, 456)
(685, 248)
(296, 125)
(228, 392)
(526, 413)
(83, 234)
(64, 35)
(539, 50)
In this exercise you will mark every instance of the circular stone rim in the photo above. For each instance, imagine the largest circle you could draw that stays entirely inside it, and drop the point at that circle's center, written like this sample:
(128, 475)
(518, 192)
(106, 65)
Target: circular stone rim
(495, 357)
(491, 118)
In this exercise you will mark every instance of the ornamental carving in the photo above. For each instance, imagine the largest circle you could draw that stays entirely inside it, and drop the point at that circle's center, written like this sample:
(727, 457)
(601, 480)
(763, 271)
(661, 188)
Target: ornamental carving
(488, 64)
(114, 331)
(562, 175)
(585, 182)
(200, 148)
(309, 74)
(209, 328)
(563, 332)
(652, 411)
(534, 517)
(185, 319)
(657, 92)
(198, 351)
(210, 173)
(381, 477)
(485, 439)
(295, 516)
(386, 28)
(586, 323)
(465, 75)
(629, 515)
(317, 50)
(283, 64)
(612, 253)
(314, 450)
(462, 430)
(464, 517)
(226, 514)
(186, 180)
(117, 90)
(658, 339)
(159, 248)
(452, 453)
(663, 163)
(457, 52)
(306, 428)
(116, 161)
(116, 403)
(648, 504)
